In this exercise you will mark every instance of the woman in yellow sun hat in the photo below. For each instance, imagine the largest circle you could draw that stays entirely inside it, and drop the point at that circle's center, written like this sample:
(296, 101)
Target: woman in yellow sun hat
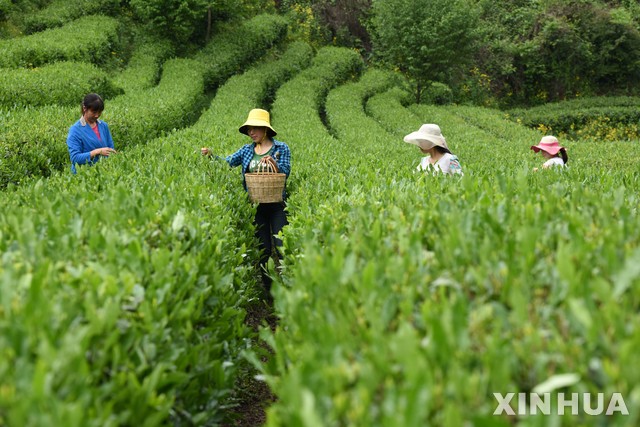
(264, 149)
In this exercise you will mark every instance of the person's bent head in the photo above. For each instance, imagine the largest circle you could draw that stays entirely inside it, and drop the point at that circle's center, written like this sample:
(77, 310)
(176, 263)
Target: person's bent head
(427, 138)
(92, 102)
(549, 147)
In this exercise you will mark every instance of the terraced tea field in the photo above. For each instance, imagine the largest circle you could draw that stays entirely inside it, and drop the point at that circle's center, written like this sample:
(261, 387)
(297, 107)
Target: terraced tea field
(403, 298)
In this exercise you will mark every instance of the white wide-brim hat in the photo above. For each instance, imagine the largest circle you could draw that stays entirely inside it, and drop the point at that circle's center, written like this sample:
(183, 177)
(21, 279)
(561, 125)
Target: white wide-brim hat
(428, 136)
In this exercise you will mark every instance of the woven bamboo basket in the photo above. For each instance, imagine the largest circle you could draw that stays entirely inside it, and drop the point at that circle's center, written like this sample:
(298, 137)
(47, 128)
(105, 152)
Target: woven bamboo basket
(265, 185)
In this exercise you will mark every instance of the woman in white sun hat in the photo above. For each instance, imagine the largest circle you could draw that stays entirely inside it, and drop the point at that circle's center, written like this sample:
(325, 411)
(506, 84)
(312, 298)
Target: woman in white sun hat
(551, 150)
(430, 141)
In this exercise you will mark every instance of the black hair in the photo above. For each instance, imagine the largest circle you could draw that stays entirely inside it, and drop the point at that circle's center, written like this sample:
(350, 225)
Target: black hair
(442, 150)
(563, 154)
(92, 102)
(268, 131)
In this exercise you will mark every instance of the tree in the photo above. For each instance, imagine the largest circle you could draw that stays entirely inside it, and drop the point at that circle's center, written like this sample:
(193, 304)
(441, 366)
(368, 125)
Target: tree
(343, 19)
(191, 20)
(337, 22)
(537, 52)
(427, 40)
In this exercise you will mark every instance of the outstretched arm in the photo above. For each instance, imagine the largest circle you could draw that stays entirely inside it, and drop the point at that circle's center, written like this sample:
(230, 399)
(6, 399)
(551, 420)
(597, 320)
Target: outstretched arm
(233, 160)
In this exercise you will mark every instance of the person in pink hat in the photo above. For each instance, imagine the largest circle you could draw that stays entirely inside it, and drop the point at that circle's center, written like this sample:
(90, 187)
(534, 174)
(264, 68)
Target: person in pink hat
(551, 150)
(430, 141)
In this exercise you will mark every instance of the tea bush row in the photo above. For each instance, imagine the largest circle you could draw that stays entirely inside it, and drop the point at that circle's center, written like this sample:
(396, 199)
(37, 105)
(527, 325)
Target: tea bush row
(40, 150)
(88, 39)
(602, 118)
(408, 298)
(60, 12)
(145, 66)
(121, 294)
(134, 118)
(232, 50)
(152, 329)
(217, 127)
(61, 83)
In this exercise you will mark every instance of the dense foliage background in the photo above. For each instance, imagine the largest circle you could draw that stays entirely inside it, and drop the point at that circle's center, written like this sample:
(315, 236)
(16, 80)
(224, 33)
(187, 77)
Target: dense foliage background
(507, 53)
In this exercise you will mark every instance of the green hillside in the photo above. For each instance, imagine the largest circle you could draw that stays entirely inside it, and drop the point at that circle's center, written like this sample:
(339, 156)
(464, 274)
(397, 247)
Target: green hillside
(130, 294)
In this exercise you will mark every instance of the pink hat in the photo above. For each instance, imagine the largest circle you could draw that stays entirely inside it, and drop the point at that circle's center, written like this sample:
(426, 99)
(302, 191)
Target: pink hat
(549, 144)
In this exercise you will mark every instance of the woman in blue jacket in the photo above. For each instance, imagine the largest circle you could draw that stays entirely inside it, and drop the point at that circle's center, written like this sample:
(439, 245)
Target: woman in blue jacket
(89, 138)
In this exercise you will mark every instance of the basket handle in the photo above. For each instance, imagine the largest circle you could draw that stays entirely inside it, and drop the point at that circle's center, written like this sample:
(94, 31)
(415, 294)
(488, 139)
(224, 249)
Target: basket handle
(265, 168)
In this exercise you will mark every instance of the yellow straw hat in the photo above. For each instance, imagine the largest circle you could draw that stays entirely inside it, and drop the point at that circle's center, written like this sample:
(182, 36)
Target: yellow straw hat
(258, 117)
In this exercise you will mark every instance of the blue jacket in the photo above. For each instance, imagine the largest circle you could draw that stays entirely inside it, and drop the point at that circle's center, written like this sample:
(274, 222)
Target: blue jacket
(81, 140)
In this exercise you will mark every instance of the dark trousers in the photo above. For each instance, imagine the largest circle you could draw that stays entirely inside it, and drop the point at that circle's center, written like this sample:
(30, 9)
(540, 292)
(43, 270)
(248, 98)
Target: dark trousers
(270, 219)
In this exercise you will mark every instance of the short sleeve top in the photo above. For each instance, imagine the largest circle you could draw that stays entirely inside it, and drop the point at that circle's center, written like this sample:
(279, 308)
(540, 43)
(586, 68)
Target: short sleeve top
(448, 164)
(554, 161)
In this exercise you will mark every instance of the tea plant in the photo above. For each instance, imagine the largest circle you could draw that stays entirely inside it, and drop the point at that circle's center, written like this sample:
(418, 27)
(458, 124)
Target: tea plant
(404, 298)
(408, 299)
(59, 12)
(145, 66)
(62, 83)
(99, 33)
(144, 301)
(174, 102)
(599, 119)
(118, 310)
